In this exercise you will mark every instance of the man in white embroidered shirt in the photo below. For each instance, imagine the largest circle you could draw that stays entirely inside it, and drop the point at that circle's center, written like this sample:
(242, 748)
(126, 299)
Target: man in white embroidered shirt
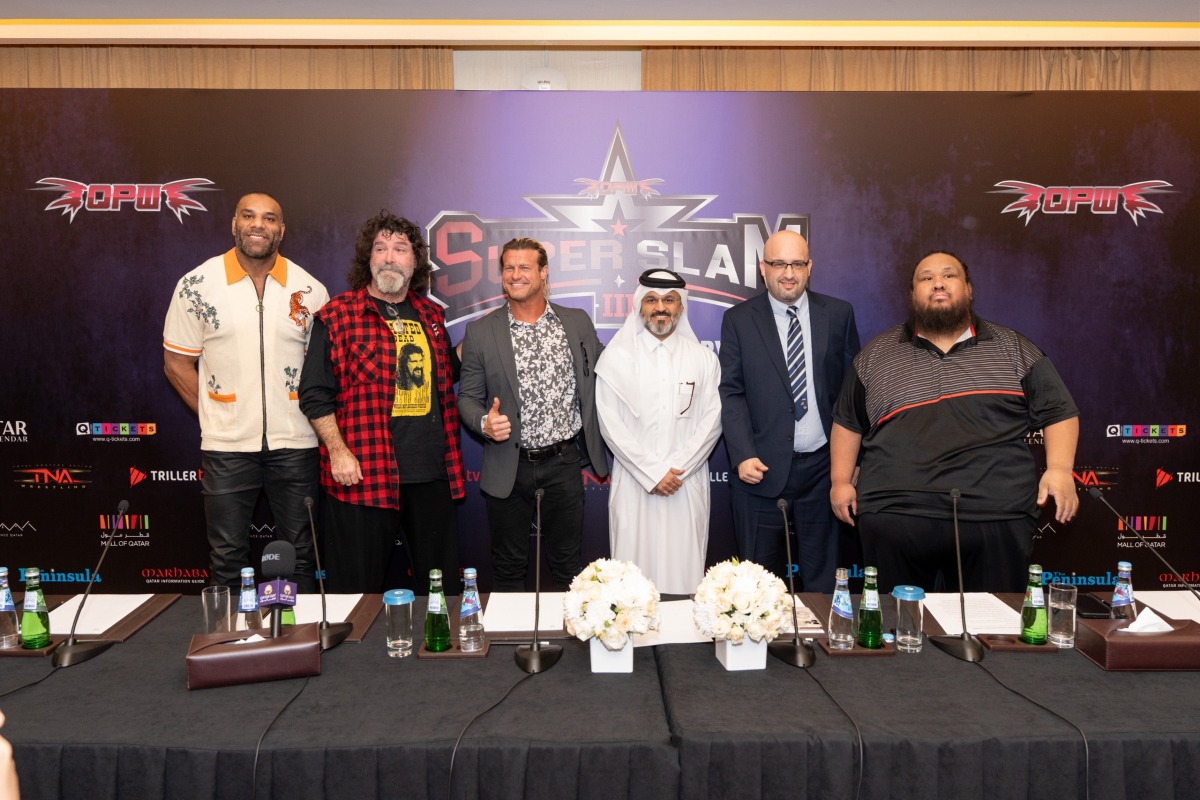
(235, 335)
(660, 413)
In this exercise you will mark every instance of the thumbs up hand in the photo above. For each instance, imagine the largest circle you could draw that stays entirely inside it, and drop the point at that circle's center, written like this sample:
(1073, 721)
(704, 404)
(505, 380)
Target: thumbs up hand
(496, 425)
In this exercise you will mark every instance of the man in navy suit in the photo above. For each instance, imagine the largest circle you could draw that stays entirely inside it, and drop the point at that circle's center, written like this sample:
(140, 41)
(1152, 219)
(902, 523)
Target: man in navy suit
(783, 357)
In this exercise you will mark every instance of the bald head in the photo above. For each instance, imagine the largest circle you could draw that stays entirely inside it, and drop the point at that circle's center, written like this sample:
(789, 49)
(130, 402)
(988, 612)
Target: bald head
(785, 266)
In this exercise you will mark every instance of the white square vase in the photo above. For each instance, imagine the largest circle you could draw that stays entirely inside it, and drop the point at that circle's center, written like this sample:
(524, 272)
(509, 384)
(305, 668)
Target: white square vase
(605, 660)
(747, 655)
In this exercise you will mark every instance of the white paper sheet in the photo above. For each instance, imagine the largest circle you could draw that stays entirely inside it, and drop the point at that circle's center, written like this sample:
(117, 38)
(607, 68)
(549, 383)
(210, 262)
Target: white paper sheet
(101, 613)
(675, 626)
(805, 618)
(1174, 604)
(513, 611)
(986, 613)
(308, 607)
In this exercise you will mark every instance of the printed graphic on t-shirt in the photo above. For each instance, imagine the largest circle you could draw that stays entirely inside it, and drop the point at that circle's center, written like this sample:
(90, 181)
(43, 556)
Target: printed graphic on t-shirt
(414, 369)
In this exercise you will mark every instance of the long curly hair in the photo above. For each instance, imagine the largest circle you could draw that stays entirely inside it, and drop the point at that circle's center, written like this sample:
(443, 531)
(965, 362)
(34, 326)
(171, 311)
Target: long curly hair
(360, 268)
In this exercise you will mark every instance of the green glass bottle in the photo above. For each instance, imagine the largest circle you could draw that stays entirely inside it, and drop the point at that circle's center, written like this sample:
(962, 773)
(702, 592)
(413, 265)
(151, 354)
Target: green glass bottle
(437, 618)
(1033, 610)
(35, 619)
(870, 618)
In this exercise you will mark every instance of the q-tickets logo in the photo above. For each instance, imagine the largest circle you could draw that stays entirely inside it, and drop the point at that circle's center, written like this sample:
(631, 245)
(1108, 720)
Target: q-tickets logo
(1146, 434)
(176, 575)
(1071, 199)
(127, 530)
(600, 239)
(13, 431)
(150, 197)
(52, 476)
(116, 431)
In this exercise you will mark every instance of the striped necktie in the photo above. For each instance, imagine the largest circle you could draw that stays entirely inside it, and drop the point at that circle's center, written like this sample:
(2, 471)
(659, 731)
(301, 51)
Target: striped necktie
(797, 369)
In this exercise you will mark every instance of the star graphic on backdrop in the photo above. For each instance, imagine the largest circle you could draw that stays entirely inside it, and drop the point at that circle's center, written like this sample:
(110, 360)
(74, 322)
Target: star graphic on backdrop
(619, 281)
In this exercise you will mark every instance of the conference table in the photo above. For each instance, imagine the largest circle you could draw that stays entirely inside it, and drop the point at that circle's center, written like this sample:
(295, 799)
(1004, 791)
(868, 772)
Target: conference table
(124, 725)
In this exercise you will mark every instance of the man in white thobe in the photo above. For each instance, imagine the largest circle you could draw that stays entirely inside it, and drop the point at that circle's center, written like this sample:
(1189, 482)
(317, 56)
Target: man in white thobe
(656, 396)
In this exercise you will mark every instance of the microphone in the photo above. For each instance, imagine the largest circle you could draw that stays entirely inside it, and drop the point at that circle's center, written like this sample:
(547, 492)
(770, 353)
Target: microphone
(795, 652)
(965, 647)
(77, 652)
(278, 564)
(1094, 492)
(537, 657)
(331, 635)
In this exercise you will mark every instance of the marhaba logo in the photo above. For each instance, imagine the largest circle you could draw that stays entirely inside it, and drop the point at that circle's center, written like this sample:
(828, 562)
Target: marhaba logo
(1070, 199)
(114, 196)
(13, 430)
(175, 575)
(52, 476)
(601, 238)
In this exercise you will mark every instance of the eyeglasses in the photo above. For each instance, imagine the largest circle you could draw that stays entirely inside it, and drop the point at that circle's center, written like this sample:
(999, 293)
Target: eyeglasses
(781, 265)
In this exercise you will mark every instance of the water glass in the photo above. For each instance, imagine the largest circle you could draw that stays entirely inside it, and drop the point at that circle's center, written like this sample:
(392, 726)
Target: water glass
(397, 608)
(216, 608)
(1060, 622)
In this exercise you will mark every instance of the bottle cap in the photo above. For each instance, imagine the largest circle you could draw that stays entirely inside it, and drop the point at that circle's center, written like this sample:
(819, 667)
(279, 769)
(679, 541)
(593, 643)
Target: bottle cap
(32, 572)
(908, 593)
(871, 571)
(247, 572)
(842, 574)
(1035, 568)
(1124, 566)
(397, 597)
(4, 571)
(469, 572)
(435, 573)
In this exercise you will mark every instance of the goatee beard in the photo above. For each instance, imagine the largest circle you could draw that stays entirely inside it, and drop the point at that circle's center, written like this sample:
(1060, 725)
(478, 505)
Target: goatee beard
(940, 321)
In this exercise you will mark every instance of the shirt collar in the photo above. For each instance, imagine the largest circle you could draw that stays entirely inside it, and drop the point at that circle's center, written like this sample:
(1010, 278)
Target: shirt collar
(779, 308)
(234, 271)
(512, 321)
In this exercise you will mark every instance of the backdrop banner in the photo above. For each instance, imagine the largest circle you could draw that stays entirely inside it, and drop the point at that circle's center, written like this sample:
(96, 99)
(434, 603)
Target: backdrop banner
(1078, 213)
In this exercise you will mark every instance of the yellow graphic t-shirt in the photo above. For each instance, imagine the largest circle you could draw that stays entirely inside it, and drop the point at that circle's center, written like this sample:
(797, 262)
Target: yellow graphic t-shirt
(414, 369)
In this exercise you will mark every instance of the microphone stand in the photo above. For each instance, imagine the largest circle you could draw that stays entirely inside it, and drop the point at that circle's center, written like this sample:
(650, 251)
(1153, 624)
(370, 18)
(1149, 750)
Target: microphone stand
(796, 652)
(537, 657)
(77, 652)
(332, 634)
(965, 647)
(1095, 493)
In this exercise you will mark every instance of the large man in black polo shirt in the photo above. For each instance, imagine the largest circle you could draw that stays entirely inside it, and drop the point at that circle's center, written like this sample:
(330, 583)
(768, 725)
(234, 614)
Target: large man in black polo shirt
(941, 403)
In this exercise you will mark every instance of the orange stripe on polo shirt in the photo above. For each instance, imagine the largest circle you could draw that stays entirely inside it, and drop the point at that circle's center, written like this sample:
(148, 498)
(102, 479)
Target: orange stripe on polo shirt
(234, 271)
(893, 413)
(181, 349)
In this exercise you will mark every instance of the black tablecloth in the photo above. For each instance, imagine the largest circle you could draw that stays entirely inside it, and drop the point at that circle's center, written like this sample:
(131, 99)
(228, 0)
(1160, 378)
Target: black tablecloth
(125, 726)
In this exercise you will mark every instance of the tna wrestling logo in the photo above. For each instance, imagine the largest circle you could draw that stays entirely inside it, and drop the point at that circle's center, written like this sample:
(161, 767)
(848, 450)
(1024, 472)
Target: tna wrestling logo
(1069, 199)
(599, 239)
(114, 196)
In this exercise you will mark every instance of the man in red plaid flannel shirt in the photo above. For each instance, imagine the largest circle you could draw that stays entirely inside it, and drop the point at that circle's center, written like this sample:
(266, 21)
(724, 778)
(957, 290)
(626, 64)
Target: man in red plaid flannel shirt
(366, 416)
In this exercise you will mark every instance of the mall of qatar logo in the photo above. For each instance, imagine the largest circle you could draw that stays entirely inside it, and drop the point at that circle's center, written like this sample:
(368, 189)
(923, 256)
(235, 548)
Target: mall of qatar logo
(600, 239)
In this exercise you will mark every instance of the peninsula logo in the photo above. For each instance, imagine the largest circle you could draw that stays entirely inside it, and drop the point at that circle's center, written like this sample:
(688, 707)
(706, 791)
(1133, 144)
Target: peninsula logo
(13, 430)
(114, 196)
(1070, 199)
(52, 476)
(601, 238)
(127, 530)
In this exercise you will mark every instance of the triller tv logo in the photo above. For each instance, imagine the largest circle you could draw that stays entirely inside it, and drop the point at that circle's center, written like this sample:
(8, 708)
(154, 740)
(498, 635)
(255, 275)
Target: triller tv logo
(1070, 199)
(112, 196)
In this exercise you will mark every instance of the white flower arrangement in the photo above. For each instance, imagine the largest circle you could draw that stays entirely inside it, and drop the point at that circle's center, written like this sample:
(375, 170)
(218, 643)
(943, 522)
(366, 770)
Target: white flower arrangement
(739, 599)
(610, 600)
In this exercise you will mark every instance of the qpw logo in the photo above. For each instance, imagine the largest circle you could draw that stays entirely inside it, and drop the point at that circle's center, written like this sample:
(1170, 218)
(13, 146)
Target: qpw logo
(114, 196)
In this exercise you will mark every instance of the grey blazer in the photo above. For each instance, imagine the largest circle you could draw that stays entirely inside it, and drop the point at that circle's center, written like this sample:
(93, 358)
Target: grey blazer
(489, 369)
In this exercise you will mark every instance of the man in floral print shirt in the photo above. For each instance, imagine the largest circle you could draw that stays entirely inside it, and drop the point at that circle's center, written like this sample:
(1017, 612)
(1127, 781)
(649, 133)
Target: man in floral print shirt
(234, 341)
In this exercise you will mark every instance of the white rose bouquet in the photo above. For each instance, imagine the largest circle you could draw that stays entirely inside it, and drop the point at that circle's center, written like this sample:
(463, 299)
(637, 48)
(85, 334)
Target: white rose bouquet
(610, 600)
(739, 599)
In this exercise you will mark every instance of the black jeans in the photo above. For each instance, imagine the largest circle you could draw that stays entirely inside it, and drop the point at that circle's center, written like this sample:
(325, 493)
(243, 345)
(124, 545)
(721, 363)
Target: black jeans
(358, 541)
(231, 485)
(511, 520)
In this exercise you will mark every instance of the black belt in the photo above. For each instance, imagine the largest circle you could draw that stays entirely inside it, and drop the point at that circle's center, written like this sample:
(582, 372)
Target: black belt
(536, 454)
